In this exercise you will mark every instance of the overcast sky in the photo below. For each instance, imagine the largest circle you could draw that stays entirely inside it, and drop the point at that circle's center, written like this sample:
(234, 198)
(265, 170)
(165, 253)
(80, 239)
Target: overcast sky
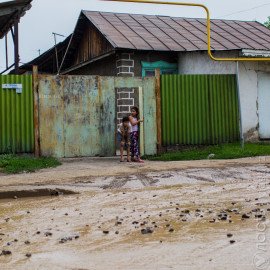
(60, 16)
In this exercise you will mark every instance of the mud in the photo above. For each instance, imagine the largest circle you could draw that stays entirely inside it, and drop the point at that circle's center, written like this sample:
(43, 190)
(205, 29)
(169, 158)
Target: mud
(189, 217)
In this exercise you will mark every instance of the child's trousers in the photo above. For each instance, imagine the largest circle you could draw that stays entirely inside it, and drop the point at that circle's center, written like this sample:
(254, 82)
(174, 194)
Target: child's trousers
(134, 147)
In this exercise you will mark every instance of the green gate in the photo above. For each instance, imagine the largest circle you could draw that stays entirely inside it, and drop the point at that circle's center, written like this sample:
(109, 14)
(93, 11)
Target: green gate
(16, 114)
(199, 109)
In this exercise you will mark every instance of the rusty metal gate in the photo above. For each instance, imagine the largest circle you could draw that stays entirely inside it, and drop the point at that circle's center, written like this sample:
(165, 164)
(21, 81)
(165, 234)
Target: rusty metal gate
(77, 114)
(199, 109)
(16, 114)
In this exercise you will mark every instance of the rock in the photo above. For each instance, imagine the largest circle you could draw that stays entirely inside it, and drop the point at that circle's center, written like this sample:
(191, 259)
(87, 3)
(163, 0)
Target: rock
(65, 239)
(245, 216)
(77, 237)
(28, 255)
(118, 223)
(146, 231)
(38, 232)
(168, 225)
(229, 235)
(106, 232)
(232, 241)
(6, 252)
(117, 232)
(171, 230)
(28, 212)
(66, 214)
(48, 234)
(27, 242)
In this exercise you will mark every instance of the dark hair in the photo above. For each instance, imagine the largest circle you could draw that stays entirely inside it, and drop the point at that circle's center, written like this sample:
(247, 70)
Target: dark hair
(125, 119)
(136, 109)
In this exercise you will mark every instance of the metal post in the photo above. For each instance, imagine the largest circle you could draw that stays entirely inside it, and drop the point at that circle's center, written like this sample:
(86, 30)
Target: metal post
(16, 47)
(239, 106)
(56, 53)
(6, 44)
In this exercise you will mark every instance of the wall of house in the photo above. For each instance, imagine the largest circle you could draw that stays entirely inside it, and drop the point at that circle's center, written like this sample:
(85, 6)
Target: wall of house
(91, 45)
(103, 67)
(129, 63)
(200, 63)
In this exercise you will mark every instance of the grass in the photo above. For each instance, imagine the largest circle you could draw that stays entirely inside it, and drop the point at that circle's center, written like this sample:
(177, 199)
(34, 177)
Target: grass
(225, 151)
(12, 164)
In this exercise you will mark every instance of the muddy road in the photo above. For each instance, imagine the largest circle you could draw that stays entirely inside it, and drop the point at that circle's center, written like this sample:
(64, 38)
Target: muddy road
(96, 214)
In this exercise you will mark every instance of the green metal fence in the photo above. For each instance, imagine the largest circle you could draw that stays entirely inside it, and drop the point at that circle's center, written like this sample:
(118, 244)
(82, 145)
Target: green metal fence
(199, 109)
(16, 115)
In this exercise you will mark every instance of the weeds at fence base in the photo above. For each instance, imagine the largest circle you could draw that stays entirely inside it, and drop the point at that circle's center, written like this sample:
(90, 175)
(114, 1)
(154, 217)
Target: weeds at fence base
(224, 151)
(16, 164)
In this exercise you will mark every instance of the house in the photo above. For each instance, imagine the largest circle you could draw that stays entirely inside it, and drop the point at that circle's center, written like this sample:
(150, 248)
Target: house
(117, 44)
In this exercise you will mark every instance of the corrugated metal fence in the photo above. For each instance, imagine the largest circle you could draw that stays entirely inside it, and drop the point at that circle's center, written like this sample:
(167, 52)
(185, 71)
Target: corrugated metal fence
(199, 109)
(16, 115)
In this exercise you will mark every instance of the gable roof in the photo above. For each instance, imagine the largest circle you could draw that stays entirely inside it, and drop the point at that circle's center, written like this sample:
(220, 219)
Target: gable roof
(10, 12)
(163, 33)
(46, 62)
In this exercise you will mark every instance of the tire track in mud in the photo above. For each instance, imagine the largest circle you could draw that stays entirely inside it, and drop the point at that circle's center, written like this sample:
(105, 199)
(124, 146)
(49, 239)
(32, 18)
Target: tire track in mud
(120, 182)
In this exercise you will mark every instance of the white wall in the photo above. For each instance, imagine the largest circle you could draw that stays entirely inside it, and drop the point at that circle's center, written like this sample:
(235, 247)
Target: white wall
(200, 63)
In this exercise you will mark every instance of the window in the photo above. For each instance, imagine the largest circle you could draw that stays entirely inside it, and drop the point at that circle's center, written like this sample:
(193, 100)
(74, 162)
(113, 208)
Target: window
(148, 68)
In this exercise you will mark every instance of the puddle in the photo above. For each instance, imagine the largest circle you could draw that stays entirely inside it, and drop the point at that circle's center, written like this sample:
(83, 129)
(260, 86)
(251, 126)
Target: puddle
(40, 192)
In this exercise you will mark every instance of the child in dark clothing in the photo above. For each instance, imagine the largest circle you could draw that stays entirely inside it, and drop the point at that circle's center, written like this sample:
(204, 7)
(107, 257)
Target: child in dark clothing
(124, 131)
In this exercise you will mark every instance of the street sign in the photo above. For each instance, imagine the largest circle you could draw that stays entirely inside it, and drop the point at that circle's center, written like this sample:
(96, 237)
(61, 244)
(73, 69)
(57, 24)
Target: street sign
(16, 86)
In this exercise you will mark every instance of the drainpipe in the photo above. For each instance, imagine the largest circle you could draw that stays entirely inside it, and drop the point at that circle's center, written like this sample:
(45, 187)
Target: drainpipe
(242, 140)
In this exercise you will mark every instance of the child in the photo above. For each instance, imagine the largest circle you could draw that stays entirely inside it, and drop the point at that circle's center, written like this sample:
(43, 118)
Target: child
(124, 138)
(134, 148)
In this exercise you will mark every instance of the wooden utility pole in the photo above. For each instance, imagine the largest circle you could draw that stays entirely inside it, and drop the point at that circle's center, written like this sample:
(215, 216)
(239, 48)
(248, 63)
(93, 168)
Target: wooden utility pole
(16, 47)
(36, 111)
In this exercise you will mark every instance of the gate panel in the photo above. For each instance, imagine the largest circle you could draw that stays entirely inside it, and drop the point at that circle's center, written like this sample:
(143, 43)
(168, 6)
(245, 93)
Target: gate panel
(16, 115)
(199, 109)
(77, 114)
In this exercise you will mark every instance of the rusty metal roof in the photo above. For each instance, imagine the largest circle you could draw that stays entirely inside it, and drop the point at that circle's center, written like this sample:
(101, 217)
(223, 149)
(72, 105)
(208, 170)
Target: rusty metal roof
(163, 33)
(10, 12)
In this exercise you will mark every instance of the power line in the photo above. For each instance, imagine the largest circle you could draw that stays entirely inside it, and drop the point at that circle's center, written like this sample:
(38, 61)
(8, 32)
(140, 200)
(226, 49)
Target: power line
(246, 10)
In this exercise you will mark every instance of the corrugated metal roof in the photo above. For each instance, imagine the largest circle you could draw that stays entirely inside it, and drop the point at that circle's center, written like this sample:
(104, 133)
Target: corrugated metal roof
(163, 33)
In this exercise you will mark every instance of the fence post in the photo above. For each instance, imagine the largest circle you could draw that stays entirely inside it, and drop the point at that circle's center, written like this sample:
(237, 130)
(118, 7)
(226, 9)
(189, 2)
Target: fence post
(158, 102)
(36, 111)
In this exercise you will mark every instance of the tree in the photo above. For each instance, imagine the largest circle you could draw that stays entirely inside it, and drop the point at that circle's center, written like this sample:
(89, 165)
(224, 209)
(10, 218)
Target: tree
(267, 24)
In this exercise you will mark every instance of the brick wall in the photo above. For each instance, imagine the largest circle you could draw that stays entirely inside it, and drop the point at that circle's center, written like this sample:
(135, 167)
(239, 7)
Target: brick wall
(125, 64)
(125, 99)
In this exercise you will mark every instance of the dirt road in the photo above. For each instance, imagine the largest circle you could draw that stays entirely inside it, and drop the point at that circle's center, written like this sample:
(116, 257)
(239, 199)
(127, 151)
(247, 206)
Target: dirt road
(179, 215)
